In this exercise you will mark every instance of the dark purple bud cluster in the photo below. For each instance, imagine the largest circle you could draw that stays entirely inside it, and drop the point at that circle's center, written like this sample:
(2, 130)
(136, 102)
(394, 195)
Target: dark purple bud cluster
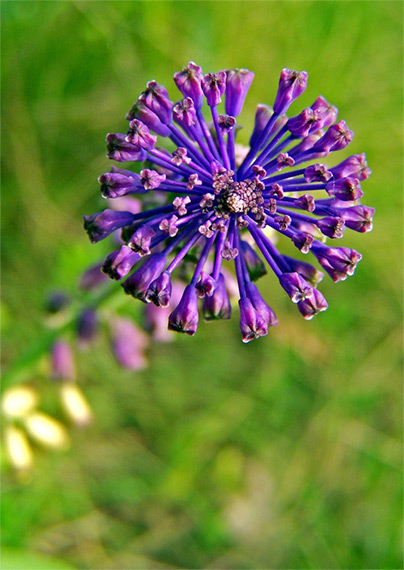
(224, 204)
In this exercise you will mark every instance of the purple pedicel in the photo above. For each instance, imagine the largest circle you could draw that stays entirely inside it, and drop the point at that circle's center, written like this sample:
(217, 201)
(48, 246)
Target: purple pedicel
(207, 202)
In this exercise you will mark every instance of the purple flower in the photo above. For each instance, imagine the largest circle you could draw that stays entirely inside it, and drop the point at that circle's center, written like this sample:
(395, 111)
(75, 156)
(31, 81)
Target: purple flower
(87, 326)
(238, 82)
(213, 87)
(118, 263)
(99, 226)
(63, 365)
(189, 81)
(128, 343)
(219, 198)
(217, 306)
(184, 318)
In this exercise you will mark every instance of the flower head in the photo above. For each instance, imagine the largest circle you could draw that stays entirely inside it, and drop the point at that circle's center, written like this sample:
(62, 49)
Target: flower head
(219, 199)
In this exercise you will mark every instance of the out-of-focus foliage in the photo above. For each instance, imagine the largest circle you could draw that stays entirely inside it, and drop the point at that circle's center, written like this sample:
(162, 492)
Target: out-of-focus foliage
(284, 453)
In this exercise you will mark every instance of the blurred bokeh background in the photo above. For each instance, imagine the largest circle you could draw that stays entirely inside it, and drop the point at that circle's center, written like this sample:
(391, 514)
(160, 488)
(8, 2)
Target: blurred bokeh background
(285, 453)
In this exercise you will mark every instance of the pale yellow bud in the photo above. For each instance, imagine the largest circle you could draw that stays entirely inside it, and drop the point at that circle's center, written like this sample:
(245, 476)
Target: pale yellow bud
(18, 448)
(46, 430)
(75, 404)
(18, 401)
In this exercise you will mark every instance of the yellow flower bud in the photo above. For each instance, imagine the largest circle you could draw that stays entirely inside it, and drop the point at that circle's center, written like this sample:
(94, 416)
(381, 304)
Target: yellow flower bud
(18, 401)
(75, 404)
(18, 448)
(46, 430)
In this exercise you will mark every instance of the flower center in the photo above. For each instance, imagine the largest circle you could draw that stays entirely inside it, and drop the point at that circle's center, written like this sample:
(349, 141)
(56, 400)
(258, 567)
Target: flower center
(236, 197)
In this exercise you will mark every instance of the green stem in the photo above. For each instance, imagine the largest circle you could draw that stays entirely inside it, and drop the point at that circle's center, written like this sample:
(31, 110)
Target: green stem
(24, 362)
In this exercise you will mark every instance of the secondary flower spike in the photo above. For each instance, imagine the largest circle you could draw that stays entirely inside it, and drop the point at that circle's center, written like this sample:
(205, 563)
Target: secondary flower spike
(210, 203)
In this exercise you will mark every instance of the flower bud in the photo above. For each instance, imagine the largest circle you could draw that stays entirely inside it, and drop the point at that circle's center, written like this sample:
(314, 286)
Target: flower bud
(354, 165)
(213, 87)
(56, 301)
(118, 263)
(188, 82)
(185, 113)
(114, 184)
(304, 123)
(357, 218)
(92, 278)
(46, 430)
(317, 173)
(18, 401)
(63, 365)
(260, 305)
(218, 305)
(160, 290)
(139, 135)
(331, 227)
(75, 405)
(121, 150)
(18, 448)
(291, 85)
(295, 286)
(306, 202)
(128, 343)
(138, 283)
(326, 113)
(252, 325)
(302, 241)
(254, 263)
(205, 286)
(99, 226)
(87, 326)
(337, 137)
(346, 189)
(140, 241)
(310, 273)
(339, 262)
(238, 82)
(185, 316)
(142, 113)
(312, 305)
(156, 98)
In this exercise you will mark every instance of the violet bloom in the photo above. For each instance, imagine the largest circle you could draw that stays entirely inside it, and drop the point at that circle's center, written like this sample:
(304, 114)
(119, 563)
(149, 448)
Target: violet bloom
(220, 200)
(128, 343)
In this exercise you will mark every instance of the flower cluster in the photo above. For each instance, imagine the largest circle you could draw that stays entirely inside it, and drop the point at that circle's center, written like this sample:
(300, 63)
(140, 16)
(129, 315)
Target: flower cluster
(221, 199)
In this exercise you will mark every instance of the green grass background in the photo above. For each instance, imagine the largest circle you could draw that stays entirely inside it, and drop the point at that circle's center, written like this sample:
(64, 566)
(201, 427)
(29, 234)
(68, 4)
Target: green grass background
(285, 453)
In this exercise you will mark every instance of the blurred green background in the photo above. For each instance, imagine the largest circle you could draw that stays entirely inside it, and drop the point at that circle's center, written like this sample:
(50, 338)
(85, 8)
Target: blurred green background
(285, 453)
